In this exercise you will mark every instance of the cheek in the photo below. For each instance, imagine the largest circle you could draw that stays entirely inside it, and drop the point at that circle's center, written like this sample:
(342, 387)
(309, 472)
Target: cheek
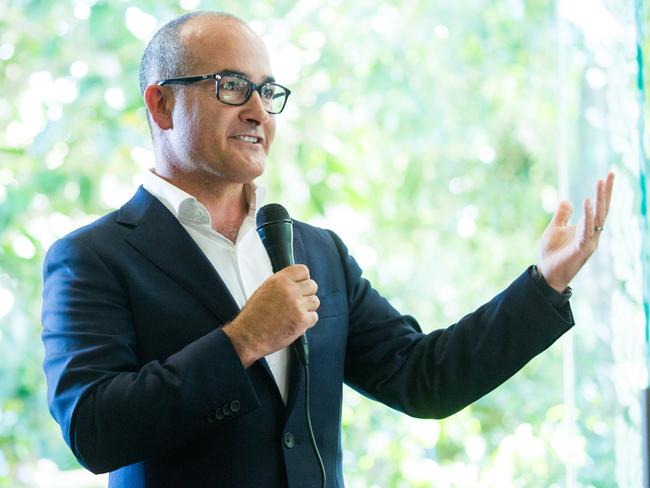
(207, 131)
(270, 134)
(189, 137)
(187, 120)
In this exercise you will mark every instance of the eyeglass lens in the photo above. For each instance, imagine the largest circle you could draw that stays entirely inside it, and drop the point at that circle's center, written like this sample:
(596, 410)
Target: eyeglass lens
(234, 90)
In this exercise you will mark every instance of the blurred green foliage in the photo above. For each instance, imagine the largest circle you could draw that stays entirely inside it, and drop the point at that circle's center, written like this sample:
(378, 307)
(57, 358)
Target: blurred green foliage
(424, 133)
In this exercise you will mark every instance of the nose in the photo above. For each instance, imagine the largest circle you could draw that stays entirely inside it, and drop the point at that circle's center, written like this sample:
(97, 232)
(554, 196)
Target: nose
(254, 111)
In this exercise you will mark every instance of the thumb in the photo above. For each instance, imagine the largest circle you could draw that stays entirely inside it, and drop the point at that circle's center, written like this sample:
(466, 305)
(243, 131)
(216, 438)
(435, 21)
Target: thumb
(562, 214)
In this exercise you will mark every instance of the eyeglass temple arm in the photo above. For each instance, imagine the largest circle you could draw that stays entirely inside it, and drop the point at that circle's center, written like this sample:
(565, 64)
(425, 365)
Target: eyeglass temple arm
(188, 79)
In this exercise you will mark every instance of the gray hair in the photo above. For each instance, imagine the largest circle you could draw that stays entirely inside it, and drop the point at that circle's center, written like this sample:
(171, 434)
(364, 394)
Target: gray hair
(166, 55)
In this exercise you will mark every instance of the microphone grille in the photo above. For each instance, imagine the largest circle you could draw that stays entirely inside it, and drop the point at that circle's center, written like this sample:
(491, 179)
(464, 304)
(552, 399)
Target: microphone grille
(272, 212)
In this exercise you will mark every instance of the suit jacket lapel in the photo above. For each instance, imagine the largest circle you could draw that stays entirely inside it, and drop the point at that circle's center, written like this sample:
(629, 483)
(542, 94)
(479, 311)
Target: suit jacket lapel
(159, 236)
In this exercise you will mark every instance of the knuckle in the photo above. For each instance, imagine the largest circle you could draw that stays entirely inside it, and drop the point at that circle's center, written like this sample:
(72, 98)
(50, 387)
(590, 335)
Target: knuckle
(307, 319)
(277, 279)
(293, 327)
(295, 309)
(291, 330)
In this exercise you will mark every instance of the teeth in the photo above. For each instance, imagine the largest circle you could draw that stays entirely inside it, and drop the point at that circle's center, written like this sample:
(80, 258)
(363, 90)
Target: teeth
(247, 138)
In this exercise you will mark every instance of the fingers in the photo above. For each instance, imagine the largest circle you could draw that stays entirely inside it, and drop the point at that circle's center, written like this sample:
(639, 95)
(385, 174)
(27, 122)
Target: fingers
(588, 225)
(601, 203)
(609, 186)
(312, 319)
(603, 199)
(594, 215)
(308, 287)
(299, 274)
(562, 214)
(296, 272)
(306, 316)
(304, 288)
(311, 303)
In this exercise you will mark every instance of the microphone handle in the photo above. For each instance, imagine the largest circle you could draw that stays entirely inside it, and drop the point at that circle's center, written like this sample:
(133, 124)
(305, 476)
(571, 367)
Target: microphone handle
(301, 347)
(278, 243)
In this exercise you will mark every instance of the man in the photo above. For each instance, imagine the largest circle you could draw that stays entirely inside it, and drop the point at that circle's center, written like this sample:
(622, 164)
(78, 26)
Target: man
(166, 333)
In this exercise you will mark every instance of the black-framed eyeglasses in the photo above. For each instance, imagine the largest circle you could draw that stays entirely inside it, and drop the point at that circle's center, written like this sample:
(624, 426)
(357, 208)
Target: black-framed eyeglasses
(233, 89)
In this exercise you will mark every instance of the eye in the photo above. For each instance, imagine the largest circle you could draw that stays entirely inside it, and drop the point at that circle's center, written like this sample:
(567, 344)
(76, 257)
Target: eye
(233, 84)
(268, 91)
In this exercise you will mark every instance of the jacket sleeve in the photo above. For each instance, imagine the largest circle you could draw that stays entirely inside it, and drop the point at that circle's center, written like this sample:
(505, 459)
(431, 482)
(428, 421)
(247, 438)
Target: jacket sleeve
(434, 375)
(112, 410)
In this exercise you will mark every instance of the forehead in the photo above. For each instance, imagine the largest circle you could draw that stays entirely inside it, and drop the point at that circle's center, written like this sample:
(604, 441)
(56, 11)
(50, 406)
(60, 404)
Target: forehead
(218, 44)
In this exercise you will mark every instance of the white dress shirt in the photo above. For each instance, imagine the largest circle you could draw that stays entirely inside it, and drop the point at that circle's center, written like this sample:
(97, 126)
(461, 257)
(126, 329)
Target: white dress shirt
(242, 266)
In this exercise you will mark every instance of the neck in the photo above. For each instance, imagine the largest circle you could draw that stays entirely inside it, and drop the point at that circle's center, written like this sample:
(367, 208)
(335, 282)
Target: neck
(225, 201)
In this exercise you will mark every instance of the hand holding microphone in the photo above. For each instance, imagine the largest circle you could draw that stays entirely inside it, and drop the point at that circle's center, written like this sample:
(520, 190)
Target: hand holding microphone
(284, 306)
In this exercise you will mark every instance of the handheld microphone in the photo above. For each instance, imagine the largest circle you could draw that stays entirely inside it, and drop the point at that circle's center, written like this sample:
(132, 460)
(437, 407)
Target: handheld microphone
(275, 228)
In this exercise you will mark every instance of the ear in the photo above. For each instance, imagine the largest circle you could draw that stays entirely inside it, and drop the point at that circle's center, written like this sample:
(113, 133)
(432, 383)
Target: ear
(160, 102)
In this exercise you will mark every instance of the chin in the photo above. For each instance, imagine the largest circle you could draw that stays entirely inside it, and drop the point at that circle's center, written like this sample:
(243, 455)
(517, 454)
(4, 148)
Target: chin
(258, 167)
(250, 172)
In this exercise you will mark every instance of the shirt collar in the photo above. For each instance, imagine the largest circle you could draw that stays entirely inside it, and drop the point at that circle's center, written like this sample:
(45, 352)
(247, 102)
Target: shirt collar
(187, 208)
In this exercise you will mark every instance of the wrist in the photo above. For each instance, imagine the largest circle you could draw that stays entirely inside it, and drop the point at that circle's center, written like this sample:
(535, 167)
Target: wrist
(241, 343)
(539, 276)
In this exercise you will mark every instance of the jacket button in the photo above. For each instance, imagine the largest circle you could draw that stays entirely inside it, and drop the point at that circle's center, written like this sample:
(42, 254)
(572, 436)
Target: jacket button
(234, 406)
(211, 418)
(288, 440)
(218, 414)
(226, 409)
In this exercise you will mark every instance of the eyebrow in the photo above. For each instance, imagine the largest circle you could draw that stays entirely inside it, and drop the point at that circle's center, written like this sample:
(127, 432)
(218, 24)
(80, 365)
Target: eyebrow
(267, 79)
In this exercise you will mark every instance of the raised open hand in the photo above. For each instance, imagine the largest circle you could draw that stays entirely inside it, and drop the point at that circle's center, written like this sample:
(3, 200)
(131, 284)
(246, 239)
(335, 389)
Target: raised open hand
(565, 248)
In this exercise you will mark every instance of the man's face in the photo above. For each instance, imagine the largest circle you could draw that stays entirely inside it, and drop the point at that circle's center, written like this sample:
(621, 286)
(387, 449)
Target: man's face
(211, 138)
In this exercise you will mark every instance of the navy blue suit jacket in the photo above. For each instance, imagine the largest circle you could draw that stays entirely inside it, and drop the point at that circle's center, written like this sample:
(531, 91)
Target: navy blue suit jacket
(145, 384)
